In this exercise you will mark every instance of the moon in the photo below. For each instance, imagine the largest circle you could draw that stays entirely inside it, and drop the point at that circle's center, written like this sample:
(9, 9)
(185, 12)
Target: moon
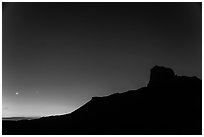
(17, 93)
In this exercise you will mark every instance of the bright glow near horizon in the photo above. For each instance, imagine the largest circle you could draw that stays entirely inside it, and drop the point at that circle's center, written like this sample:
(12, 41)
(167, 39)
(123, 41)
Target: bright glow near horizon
(56, 56)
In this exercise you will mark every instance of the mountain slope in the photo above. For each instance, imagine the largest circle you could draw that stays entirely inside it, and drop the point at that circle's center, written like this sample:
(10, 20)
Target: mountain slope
(170, 104)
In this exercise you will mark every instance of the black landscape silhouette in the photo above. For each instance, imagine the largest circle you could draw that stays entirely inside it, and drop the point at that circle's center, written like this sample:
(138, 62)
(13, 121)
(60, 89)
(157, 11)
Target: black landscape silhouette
(169, 105)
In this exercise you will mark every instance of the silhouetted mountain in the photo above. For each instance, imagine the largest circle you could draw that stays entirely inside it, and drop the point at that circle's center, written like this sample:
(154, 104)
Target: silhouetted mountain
(161, 76)
(170, 104)
(18, 118)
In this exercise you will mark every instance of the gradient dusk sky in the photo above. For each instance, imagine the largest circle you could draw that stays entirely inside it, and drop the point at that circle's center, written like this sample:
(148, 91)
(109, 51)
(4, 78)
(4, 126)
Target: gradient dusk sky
(56, 56)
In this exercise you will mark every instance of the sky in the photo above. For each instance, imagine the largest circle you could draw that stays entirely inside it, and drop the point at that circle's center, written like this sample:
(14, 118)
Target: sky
(56, 56)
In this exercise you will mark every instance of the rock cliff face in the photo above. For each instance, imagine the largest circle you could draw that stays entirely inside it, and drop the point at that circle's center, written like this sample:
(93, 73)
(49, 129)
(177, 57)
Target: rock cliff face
(161, 76)
(165, 77)
(169, 105)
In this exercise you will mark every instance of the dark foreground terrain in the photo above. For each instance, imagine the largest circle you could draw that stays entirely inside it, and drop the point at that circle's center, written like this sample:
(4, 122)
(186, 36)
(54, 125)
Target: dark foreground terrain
(169, 105)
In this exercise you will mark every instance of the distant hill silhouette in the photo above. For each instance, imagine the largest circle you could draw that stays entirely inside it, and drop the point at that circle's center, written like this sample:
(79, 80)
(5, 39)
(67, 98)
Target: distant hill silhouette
(18, 118)
(169, 105)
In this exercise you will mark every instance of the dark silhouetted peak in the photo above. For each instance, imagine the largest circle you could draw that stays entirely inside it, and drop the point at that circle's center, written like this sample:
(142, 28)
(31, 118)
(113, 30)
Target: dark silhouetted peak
(161, 76)
(169, 105)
